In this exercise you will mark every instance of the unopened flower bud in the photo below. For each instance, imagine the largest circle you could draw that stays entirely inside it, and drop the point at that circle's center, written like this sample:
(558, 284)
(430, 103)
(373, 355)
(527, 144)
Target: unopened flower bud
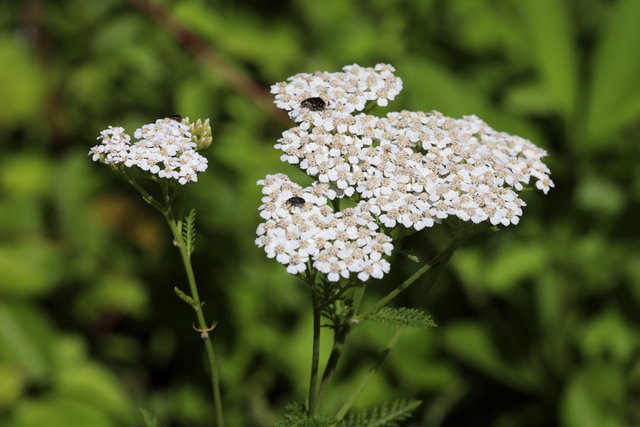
(201, 134)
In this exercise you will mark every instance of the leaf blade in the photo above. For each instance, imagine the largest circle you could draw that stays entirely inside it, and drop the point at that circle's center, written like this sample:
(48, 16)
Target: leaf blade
(402, 317)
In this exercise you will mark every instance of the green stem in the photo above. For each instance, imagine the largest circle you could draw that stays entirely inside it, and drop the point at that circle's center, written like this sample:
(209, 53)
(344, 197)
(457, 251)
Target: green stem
(145, 195)
(337, 296)
(197, 306)
(431, 280)
(415, 276)
(194, 299)
(338, 345)
(461, 233)
(315, 358)
(381, 357)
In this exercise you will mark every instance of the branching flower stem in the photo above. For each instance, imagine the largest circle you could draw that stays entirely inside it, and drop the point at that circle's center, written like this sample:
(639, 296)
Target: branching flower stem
(432, 278)
(337, 296)
(339, 341)
(145, 195)
(194, 299)
(166, 153)
(461, 234)
(197, 306)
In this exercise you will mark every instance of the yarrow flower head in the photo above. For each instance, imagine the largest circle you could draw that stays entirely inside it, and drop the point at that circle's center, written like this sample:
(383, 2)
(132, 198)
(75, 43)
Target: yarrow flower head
(409, 169)
(300, 228)
(343, 93)
(166, 148)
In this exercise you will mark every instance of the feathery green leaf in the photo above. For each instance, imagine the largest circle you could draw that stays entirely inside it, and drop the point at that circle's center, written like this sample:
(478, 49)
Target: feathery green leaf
(186, 298)
(399, 317)
(386, 415)
(297, 417)
(189, 231)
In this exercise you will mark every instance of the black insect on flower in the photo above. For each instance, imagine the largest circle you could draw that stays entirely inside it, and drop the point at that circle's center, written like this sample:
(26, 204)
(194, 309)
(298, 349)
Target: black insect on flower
(176, 117)
(314, 104)
(296, 202)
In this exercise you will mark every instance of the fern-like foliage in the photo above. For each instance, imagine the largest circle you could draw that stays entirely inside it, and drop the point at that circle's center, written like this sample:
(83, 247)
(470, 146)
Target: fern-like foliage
(387, 415)
(189, 231)
(399, 317)
(296, 417)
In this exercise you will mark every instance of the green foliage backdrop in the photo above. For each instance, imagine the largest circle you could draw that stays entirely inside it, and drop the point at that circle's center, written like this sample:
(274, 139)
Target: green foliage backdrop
(539, 324)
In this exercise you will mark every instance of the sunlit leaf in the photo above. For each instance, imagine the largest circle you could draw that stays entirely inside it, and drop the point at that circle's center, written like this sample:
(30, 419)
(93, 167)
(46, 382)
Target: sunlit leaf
(470, 343)
(549, 28)
(58, 411)
(594, 398)
(614, 100)
(31, 267)
(513, 265)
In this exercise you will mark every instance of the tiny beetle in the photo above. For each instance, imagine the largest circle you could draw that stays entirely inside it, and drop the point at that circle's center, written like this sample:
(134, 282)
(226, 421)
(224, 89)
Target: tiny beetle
(176, 117)
(296, 202)
(313, 104)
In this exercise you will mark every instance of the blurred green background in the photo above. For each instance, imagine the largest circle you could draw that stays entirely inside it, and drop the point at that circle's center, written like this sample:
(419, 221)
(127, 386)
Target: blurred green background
(539, 324)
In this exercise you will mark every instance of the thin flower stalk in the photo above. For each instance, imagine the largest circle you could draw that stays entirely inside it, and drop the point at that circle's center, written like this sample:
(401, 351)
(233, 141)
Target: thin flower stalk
(339, 342)
(167, 152)
(440, 262)
(202, 324)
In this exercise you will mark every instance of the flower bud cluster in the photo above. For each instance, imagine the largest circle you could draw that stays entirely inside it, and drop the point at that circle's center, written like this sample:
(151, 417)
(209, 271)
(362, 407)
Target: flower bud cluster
(201, 133)
(165, 148)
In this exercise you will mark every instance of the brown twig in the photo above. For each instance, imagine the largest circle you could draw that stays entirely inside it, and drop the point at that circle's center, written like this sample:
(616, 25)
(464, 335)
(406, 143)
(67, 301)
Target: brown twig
(208, 56)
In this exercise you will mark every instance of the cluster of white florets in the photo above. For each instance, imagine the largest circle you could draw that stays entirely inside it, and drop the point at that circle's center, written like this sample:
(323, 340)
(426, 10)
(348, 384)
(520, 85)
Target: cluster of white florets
(345, 92)
(418, 168)
(165, 148)
(413, 169)
(300, 227)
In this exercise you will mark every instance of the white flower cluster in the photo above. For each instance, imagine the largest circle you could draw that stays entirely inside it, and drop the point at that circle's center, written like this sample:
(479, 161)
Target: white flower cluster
(345, 93)
(417, 169)
(300, 227)
(165, 148)
(413, 169)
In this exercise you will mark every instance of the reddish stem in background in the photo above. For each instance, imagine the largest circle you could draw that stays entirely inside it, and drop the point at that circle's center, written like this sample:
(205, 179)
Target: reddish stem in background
(202, 51)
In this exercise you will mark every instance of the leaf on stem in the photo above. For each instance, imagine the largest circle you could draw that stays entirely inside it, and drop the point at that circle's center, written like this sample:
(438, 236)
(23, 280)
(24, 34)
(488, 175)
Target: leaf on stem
(297, 417)
(400, 317)
(386, 415)
(189, 231)
(186, 298)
